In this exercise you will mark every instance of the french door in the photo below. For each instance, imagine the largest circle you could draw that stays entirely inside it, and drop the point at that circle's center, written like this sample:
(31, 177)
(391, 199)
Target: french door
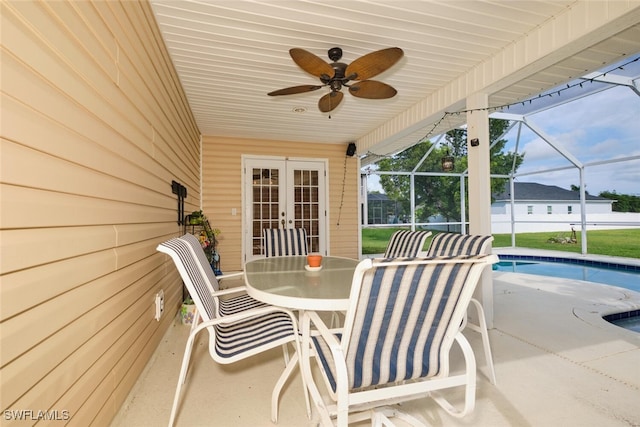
(283, 193)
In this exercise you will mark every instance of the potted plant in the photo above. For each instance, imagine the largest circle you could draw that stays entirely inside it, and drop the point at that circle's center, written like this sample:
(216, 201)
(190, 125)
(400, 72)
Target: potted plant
(188, 311)
(209, 241)
(208, 238)
(195, 218)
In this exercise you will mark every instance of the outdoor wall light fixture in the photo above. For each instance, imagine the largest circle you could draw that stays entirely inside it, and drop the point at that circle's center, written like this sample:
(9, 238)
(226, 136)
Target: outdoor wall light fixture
(351, 149)
(447, 162)
(180, 191)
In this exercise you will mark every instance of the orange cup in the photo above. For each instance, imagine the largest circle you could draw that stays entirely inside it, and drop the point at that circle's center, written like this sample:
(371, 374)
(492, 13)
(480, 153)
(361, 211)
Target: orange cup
(314, 260)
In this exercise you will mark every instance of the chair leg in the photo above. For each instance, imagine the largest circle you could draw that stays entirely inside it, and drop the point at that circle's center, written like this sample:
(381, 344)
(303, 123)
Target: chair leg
(468, 380)
(482, 329)
(285, 352)
(182, 377)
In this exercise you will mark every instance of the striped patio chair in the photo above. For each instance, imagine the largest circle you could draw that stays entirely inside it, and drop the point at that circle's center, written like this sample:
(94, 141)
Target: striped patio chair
(406, 244)
(453, 244)
(226, 303)
(404, 317)
(285, 241)
(233, 337)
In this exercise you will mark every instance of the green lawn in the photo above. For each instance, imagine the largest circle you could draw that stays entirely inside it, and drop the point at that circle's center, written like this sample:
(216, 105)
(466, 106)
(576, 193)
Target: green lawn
(622, 243)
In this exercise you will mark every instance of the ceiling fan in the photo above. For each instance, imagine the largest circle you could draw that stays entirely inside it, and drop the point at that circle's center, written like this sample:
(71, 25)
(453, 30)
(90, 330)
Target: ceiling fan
(354, 76)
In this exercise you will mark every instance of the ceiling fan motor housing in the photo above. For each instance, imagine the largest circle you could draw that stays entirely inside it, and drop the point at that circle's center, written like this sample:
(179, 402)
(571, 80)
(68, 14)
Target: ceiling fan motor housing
(338, 78)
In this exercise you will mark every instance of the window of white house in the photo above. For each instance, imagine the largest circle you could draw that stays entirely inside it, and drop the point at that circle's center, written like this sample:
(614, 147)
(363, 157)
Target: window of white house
(530, 210)
(569, 209)
(549, 210)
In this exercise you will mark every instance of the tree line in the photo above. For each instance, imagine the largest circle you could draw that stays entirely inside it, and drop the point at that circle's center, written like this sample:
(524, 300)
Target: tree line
(623, 202)
(440, 195)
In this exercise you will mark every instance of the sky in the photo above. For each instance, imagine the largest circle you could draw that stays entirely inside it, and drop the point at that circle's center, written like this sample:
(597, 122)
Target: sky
(595, 128)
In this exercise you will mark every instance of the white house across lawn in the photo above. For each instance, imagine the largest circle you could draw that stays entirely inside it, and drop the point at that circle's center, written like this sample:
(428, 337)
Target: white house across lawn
(534, 208)
(537, 207)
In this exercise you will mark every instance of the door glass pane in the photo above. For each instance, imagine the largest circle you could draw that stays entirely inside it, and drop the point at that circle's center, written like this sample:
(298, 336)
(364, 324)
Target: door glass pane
(306, 211)
(266, 208)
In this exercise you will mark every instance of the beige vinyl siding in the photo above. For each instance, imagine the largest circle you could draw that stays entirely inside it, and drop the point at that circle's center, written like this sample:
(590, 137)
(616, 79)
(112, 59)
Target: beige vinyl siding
(95, 126)
(222, 191)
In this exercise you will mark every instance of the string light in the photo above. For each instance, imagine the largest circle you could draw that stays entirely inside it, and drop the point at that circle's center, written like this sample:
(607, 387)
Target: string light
(507, 106)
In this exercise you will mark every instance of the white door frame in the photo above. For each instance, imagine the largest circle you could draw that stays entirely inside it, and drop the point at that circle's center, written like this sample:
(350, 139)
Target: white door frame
(286, 165)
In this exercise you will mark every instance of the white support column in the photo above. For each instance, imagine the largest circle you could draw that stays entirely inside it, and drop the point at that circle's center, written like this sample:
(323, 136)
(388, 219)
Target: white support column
(480, 187)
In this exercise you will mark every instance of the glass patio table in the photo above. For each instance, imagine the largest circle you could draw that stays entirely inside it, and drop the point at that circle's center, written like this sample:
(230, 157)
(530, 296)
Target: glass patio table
(285, 282)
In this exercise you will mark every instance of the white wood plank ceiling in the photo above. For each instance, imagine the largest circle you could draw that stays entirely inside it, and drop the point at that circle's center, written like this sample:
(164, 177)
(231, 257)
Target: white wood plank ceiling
(230, 54)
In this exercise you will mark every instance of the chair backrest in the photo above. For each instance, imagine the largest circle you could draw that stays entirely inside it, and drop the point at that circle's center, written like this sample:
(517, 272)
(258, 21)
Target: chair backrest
(406, 244)
(404, 315)
(193, 275)
(452, 244)
(285, 241)
(196, 246)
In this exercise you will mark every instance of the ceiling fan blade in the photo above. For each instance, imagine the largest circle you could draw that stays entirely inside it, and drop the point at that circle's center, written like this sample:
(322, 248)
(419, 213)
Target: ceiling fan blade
(311, 63)
(330, 101)
(294, 89)
(373, 63)
(372, 89)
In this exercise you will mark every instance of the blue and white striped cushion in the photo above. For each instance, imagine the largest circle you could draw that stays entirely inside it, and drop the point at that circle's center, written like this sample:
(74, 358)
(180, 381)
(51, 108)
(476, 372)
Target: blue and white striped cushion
(400, 323)
(406, 244)
(227, 306)
(448, 244)
(233, 339)
(285, 242)
(200, 292)
(237, 304)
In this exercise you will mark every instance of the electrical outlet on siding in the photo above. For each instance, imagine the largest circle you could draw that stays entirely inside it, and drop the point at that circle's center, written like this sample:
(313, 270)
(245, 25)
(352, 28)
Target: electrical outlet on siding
(159, 302)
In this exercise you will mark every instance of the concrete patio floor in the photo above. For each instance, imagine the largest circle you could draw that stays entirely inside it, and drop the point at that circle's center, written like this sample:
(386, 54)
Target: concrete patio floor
(557, 362)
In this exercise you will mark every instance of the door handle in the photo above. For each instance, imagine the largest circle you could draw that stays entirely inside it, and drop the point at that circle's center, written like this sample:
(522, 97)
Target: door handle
(283, 223)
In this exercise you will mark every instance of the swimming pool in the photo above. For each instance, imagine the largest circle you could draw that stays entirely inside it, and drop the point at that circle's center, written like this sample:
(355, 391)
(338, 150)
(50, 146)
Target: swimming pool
(628, 320)
(625, 276)
(622, 275)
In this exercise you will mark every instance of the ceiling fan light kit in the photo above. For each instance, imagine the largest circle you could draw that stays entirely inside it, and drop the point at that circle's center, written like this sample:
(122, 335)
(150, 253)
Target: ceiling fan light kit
(335, 75)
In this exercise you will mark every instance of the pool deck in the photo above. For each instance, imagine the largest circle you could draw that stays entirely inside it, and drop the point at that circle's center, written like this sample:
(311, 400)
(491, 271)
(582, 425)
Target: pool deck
(557, 362)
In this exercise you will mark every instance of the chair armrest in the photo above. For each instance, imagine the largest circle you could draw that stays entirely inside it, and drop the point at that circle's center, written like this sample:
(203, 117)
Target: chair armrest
(229, 275)
(228, 291)
(322, 330)
(223, 278)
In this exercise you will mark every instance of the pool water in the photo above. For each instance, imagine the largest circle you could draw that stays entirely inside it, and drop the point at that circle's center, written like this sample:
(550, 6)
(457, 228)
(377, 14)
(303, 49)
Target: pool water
(629, 320)
(624, 276)
(632, 323)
